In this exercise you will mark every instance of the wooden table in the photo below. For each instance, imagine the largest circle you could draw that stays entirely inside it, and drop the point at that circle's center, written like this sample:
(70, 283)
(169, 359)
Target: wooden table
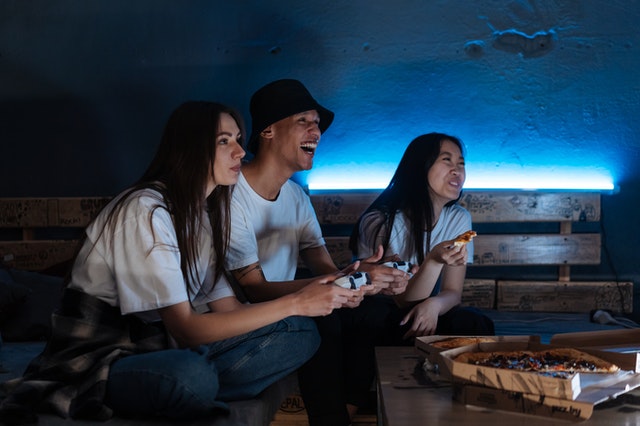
(405, 399)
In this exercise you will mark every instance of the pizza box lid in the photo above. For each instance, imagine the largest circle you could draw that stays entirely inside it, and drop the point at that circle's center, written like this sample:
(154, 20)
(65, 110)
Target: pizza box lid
(568, 387)
(623, 345)
(426, 347)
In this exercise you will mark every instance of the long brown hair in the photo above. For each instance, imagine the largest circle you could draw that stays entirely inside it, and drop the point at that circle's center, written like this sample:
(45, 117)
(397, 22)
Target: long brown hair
(180, 171)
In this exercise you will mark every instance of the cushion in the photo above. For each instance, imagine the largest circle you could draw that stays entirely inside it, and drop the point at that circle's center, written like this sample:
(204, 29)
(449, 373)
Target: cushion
(31, 319)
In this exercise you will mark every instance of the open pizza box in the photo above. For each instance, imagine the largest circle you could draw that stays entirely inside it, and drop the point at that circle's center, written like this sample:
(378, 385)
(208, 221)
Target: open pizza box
(576, 410)
(623, 345)
(565, 387)
(428, 346)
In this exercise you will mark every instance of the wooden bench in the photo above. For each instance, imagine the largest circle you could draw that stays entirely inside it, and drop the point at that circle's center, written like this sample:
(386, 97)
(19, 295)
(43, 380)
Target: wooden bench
(520, 234)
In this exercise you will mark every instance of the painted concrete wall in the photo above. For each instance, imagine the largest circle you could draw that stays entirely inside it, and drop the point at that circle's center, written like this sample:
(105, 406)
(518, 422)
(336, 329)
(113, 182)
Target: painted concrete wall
(544, 88)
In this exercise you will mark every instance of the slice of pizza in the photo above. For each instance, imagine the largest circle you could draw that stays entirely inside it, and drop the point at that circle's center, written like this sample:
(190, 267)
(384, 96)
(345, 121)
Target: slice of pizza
(464, 238)
(544, 361)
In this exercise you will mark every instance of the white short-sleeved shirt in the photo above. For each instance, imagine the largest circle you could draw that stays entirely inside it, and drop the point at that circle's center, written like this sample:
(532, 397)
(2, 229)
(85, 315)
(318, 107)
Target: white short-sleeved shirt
(453, 221)
(271, 232)
(136, 266)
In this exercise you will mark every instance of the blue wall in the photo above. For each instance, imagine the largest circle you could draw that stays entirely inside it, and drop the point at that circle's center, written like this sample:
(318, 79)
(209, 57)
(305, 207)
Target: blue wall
(543, 90)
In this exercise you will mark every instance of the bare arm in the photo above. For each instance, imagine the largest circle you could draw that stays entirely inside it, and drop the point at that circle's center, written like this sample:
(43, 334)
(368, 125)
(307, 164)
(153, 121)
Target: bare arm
(424, 315)
(318, 260)
(231, 318)
(424, 280)
(257, 289)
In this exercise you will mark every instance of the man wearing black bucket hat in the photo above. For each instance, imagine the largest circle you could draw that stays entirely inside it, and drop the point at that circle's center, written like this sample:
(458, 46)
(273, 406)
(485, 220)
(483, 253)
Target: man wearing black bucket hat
(273, 224)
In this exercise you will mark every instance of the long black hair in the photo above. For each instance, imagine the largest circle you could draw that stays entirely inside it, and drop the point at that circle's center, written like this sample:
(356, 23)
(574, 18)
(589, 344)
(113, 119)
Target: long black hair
(408, 192)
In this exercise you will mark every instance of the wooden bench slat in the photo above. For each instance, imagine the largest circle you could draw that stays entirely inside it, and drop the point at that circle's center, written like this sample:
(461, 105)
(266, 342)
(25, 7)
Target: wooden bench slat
(493, 250)
(531, 206)
(36, 255)
(576, 296)
(484, 206)
(537, 249)
(49, 212)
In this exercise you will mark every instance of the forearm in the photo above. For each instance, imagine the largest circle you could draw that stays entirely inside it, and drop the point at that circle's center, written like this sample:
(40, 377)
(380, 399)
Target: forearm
(191, 329)
(270, 290)
(422, 283)
(445, 300)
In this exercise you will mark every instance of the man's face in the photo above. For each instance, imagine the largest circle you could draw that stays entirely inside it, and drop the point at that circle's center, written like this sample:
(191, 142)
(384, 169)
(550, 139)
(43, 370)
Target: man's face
(296, 138)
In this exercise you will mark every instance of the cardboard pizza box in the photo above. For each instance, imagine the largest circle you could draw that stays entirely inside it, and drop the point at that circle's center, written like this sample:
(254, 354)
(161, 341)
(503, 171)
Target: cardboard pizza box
(576, 410)
(565, 387)
(426, 346)
(623, 345)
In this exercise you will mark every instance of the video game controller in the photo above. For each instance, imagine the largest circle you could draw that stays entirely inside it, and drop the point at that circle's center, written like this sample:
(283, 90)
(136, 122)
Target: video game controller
(402, 265)
(353, 281)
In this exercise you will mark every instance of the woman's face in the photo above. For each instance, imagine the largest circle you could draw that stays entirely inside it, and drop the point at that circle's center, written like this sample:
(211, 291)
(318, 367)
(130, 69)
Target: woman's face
(447, 174)
(229, 153)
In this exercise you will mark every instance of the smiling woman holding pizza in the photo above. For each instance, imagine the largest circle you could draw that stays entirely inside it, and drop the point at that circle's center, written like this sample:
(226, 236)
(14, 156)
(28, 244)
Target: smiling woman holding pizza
(418, 219)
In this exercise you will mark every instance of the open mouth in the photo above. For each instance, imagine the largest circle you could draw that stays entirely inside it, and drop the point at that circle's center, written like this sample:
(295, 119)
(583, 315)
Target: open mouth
(309, 147)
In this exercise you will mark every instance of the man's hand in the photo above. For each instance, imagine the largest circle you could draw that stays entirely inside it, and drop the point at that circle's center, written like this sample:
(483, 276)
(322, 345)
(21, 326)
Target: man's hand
(384, 279)
(321, 297)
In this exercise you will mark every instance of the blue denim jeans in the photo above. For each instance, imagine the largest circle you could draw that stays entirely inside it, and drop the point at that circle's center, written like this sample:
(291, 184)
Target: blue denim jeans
(190, 383)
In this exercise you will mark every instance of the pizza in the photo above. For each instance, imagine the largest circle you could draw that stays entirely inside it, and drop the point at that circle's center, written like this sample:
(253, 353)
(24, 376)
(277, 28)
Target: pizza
(456, 342)
(553, 360)
(464, 238)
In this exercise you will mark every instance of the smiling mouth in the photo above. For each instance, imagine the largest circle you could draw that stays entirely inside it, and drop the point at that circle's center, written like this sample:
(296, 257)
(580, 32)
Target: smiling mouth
(309, 147)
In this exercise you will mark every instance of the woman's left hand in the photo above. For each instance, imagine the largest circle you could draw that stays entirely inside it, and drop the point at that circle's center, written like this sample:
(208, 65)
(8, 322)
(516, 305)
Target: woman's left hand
(423, 318)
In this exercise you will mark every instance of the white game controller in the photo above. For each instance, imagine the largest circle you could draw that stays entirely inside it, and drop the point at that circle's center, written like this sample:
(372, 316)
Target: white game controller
(401, 265)
(353, 281)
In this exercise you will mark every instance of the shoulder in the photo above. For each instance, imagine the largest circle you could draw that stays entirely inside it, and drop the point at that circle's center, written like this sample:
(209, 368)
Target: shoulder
(456, 212)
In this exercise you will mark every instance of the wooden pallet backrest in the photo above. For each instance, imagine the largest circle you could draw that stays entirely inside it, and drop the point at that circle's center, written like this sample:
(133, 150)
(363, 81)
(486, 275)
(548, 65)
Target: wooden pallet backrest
(33, 220)
(563, 248)
(518, 229)
(39, 233)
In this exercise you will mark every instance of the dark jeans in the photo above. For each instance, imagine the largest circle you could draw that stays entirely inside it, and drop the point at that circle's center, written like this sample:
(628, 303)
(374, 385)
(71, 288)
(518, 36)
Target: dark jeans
(185, 384)
(343, 369)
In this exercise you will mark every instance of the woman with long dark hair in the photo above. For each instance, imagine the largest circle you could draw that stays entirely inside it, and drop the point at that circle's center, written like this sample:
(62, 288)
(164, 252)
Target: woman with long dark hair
(416, 218)
(149, 325)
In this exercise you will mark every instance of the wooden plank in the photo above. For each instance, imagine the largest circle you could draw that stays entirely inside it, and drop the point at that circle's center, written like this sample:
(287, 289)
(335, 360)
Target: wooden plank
(479, 293)
(341, 207)
(537, 249)
(49, 212)
(36, 255)
(509, 206)
(495, 250)
(344, 207)
(576, 296)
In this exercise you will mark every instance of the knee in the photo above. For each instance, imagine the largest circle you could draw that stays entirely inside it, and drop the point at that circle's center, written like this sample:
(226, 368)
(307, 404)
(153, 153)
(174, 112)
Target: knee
(167, 383)
(306, 338)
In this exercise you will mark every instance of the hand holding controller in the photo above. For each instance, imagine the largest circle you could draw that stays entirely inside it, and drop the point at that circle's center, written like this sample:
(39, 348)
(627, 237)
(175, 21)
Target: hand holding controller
(353, 281)
(402, 265)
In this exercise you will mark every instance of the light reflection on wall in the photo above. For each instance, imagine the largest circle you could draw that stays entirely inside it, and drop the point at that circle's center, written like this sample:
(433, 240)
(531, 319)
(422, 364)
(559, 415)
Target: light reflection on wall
(479, 176)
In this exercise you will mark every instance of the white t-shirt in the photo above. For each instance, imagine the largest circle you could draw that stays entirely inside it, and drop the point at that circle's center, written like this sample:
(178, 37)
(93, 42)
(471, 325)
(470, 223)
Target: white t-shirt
(453, 221)
(271, 232)
(138, 269)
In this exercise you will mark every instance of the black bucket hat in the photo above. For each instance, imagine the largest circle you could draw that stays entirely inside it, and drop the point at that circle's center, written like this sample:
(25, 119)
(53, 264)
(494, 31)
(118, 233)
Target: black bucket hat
(280, 99)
